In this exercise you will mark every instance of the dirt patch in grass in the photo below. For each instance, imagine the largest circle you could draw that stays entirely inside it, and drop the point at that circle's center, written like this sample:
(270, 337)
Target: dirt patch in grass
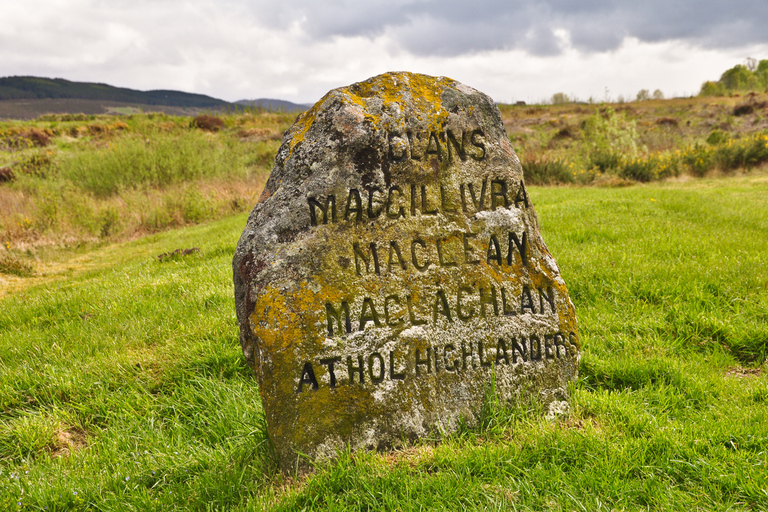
(411, 456)
(738, 372)
(69, 441)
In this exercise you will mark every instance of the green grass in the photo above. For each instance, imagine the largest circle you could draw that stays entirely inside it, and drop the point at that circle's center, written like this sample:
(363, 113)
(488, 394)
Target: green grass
(123, 387)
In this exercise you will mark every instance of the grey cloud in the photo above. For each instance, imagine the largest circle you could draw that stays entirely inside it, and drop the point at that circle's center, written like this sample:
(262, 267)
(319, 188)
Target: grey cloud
(454, 27)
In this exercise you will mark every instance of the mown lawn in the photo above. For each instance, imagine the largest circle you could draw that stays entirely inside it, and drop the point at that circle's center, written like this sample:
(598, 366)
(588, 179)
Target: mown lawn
(123, 387)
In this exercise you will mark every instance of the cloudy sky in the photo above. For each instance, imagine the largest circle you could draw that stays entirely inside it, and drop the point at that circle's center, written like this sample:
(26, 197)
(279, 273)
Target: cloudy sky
(298, 50)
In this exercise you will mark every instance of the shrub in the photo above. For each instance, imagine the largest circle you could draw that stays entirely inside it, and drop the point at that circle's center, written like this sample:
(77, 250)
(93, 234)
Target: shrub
(38, 138)
(667, 121)
(717, 137)
(6, 174)
(712, 89)
(208, 123)
(545, 171)
(609, 137)
(747, 152)
(37, 164)
(698, 160)
(11, 265)
(743, 110)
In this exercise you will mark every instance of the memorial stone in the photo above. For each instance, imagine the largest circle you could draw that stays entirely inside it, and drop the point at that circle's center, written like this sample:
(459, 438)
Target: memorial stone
(392, 274)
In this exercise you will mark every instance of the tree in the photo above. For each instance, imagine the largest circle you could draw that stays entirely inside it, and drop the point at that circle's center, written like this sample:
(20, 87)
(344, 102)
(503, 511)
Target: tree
(658, 95)
(643, 95)
(738, 78)
(560, 98)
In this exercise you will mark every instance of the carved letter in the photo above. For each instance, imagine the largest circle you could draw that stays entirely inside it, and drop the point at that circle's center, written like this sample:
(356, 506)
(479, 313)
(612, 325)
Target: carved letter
(330, 204)
(352, 370)
(440, 256)
(368, 317)
(391, 321)
(468, 256)
(380, 377)
(455, 145)
(494, 251)
(427, 362)
(549, 296)
(500, 193)
(307, 377)
(459, 313)
(357, 208)
(526, 301)
(392, 374)
(413, 255)
(441, 307)
(522, 248)
(401, 211)
(331, 314)
(329, 362)
(411, 315)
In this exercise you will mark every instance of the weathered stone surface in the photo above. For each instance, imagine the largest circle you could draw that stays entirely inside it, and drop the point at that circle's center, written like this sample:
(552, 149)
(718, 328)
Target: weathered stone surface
(393, 269)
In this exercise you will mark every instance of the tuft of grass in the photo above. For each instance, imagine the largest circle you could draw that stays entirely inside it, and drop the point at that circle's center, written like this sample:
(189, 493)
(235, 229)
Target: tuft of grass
(13, 265)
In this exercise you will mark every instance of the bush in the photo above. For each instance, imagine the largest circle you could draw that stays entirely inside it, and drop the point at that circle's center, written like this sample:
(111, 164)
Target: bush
(717, 137)
(610, 138)
(544, 171)
(208, 123)
(712, 89)
(747, 152)
(743, 110)
(11, 265)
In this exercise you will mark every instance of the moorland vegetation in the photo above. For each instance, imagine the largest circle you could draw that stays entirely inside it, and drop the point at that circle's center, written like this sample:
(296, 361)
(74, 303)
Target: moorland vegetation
(84, 178)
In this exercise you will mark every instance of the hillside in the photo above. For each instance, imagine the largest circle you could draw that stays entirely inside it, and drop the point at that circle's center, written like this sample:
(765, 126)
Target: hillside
(30, 87)
(273, 105)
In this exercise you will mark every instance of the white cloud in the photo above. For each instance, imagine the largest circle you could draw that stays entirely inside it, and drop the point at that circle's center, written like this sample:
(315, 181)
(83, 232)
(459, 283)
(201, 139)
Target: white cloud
(235, 49)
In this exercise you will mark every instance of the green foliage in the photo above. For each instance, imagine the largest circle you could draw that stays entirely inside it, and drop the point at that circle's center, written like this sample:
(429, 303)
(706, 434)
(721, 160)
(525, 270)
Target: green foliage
(643, 95)
(717, 137)
(610, 138)
(560, 98)
(547, 172)
(739, 78)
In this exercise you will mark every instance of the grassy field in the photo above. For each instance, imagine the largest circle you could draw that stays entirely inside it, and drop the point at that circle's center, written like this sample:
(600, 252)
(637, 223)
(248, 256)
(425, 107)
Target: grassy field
(123, 387)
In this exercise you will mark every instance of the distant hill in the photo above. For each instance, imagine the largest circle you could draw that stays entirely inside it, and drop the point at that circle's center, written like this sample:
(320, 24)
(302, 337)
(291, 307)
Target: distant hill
(30, 87)
(274, 105)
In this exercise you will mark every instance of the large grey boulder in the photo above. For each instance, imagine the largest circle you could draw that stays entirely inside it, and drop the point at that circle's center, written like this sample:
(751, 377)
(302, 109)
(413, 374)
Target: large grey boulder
(392, 275)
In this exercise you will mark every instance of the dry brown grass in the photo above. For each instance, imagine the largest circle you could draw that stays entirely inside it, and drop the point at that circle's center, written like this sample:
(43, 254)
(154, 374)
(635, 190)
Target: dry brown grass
(68, 441)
